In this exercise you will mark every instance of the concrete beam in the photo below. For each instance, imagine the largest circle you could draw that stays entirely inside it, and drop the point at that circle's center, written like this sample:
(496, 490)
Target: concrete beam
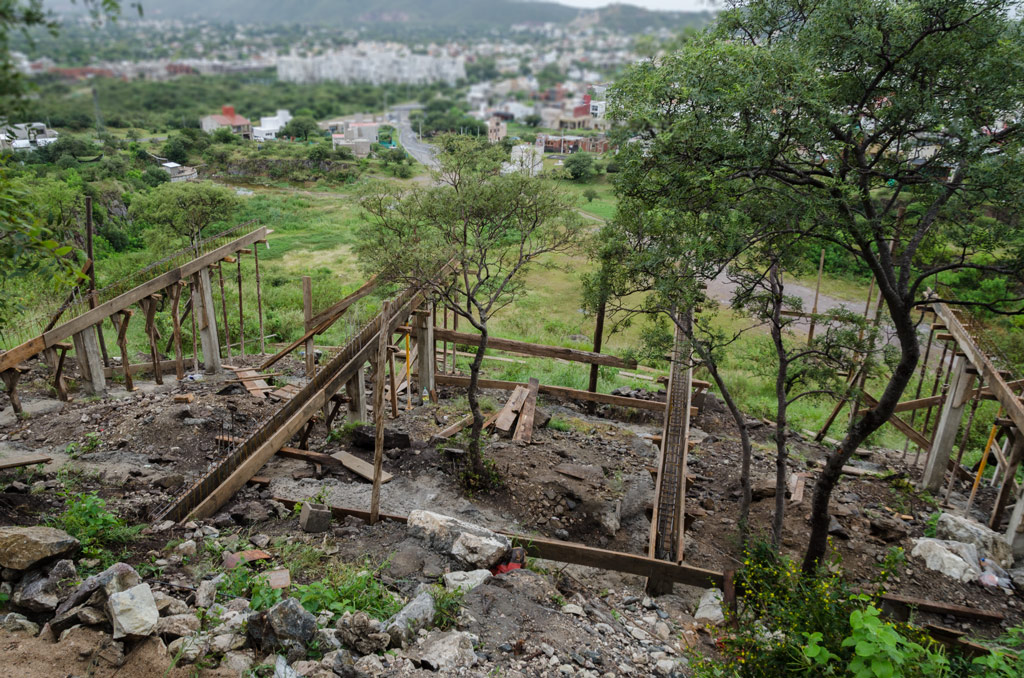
(427, 357)
(948, 426)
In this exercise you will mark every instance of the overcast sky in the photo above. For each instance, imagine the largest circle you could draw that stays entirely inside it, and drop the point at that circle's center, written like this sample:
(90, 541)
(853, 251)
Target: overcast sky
(679, 5)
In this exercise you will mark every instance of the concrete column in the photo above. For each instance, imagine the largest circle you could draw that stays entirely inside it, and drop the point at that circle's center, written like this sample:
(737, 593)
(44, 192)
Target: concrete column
(427, 355)
(356, 391)
(206, 316)
(948, 425)
(90, 361)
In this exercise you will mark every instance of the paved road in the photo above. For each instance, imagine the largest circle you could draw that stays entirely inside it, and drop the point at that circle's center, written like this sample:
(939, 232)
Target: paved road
(423, 153)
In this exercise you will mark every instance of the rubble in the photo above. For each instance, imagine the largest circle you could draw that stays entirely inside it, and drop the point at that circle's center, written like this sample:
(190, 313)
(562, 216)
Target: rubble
(951, 558)
(133, 612)
(990, 544)
(446, 651)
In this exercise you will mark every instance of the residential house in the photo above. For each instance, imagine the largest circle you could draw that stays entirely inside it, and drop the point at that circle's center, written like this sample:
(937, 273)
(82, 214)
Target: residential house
(25, 135)
(271, 126)
(525, 159)
(563, 144)
(359, 147)
(238, 124)
(497, 129)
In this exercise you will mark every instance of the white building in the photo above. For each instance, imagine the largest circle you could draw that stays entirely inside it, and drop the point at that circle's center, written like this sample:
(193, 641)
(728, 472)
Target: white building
(271, 126)
(26, 135)
(527, 159)
(179, 173)
(359, 147)
(374, 63)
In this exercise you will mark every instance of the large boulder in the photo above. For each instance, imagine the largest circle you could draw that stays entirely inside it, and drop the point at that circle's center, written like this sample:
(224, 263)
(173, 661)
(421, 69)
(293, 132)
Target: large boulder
(709, 611)
(116, 578)
(133, 612)
(410, 619)
(286, 625)
(989, 543)
(475, 546)
(22, 548)
(952, 558)
(447, 651)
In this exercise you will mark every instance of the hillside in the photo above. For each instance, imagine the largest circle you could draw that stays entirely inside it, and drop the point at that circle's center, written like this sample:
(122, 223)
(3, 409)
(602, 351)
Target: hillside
(404, 15)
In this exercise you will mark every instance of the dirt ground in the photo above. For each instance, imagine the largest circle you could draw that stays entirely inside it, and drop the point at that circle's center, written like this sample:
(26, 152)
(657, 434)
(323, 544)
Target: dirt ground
(588, 483)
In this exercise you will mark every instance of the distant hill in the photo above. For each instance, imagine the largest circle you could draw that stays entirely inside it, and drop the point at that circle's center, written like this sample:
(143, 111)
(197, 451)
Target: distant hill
(397, 16)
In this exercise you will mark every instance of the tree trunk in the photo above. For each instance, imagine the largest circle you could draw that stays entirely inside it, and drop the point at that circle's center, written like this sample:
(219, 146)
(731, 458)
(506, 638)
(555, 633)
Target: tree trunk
(781, 453)
(861, 429)
(475, 457)
(741, 424)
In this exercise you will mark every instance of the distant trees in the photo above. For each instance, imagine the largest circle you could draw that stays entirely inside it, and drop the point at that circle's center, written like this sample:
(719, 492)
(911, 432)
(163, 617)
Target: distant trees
(186, 207)
(890, 131)
(532, 120)
(175, 150)
(300, 127)
(444, 115)
(490, 227)
(580, 166)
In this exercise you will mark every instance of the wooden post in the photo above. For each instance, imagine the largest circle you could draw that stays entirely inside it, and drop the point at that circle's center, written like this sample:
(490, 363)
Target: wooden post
(92, 276)
(408, 374)
(59, 383)
(90, 361)
(598, 336)
(394, 385)
(356, 391)
(307, 311)
(10, 379)
(149, 308)
(241, 317)
(427, 353)
(192, 306)
(1009, 476)
(817, 292)
(947, 427)
(207, 319)
(179, 365)
(259, 296)
(224, 310)
(378, 410)
(122, 343)
(444, 344)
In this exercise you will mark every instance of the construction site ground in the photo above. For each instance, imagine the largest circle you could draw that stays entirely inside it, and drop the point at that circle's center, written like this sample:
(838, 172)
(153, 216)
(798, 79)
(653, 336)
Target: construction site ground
(583, 479)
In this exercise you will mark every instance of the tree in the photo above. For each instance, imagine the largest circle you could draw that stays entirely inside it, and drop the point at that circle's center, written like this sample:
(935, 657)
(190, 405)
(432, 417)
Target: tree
(175, 150)
(489, 227)
(891, 130)
(532, 120)
(186, 207)
(580, 166)
(300, 127)
(590, 194)
(224, 135)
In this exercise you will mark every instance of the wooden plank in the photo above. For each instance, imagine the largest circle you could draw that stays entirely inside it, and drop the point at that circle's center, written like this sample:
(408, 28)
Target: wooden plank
(524, 429)
(567, 552)
(902, 426)
(536, 350)
(184, 398)
(451, 430)
(558, 391)
(253, 382)
(25, 461)
(939, 607)
(337, 460)
(507, 415)
(361, 468)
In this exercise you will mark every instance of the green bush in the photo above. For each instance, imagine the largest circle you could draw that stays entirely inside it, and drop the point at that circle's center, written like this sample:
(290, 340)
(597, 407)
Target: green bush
(87, 519)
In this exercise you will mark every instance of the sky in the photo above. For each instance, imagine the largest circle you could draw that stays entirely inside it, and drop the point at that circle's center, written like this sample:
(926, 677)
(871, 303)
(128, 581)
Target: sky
(678, 5)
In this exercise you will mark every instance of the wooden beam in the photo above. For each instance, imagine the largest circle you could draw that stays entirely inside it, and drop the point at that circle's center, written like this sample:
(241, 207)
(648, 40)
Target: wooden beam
(990, 375)
(568, 552)
(337, 460)
(140, 368)
(559, 392)
(318, 325)
(902, 426)
(24, 461)
(944, 608)
(507, 415)
(123, 301)
(524, 429)
(536, 350)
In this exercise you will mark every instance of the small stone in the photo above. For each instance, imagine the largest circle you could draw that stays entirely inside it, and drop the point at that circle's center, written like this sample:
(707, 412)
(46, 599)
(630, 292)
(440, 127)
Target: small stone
(466, 581)
(133, 612)
(573, 609)
(314, 517)
(206, 594)
(186, 548)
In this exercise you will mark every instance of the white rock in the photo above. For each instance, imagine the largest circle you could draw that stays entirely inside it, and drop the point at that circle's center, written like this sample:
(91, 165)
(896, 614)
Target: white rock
(448, 651)
(573, 609)
(665, 667)
(466, 581)
(989, 543)
(178, 625)
(370, 664)
(186, 548)
(709, 611)
(169, 605)
(951, 558)
(206, 594)
(238, 662)
(189, 649)
(481, 552)
(282, 670)
(133, 612)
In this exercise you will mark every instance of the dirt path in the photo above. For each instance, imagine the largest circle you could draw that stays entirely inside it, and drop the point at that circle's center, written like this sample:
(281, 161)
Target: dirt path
(722, 289)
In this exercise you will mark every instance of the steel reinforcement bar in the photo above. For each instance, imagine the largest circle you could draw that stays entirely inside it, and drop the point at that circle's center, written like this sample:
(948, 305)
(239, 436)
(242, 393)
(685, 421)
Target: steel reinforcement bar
(213, 489)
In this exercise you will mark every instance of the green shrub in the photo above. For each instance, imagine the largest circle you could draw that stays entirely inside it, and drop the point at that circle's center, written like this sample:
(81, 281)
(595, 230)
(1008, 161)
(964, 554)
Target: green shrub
(446, 606)
(87, 519)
